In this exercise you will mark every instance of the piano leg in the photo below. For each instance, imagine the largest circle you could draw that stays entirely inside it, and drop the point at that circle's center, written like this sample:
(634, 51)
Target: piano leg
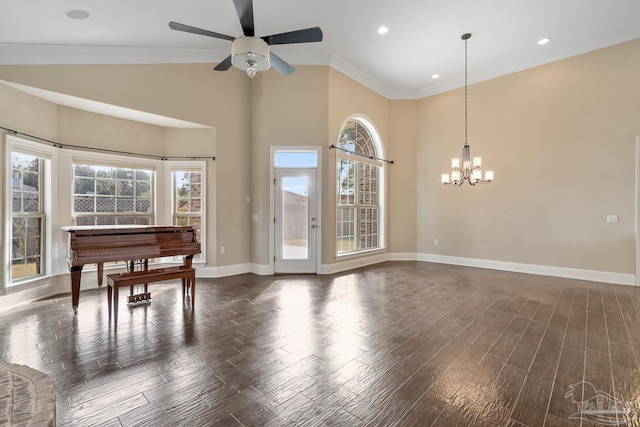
(100, 270)
(187, 261)
(76, 274)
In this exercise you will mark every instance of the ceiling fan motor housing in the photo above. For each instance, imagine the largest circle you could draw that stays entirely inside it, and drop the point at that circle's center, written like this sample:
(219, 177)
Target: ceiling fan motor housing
(248, 51)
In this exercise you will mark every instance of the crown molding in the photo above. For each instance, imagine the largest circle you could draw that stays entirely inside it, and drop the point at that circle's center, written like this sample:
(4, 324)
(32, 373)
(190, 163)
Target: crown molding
(38, 54)
(44, 54)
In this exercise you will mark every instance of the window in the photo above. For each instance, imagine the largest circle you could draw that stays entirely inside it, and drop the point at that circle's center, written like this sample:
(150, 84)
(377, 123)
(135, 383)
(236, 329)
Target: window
(359, 189)
(109, 195)
(28, 218)
(295, 159)
(187, 206)
(104, 189)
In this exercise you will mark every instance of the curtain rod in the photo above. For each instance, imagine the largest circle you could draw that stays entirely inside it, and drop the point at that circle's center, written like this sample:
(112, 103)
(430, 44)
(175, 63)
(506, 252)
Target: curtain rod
(361, 155)
(104, 150)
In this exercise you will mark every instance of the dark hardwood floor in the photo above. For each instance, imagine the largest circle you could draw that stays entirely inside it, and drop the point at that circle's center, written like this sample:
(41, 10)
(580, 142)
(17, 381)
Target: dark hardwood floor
(402, 343)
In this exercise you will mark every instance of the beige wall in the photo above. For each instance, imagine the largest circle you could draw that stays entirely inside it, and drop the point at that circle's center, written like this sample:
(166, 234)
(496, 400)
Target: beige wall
(347, 97)
(180, 142)
(191, 92)
(28, 114)
(19, 111)
(403, 119)
(561, 139)
(286, 111)
(81, 128)
(75, 127)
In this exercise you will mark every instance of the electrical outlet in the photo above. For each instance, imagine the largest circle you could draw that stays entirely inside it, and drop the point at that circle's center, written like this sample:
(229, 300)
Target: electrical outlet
(612, 219)
(222, 249)
(436, 242)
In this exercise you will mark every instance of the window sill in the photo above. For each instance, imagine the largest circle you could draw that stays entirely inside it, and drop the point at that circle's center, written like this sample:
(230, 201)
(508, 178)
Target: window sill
(360, 254)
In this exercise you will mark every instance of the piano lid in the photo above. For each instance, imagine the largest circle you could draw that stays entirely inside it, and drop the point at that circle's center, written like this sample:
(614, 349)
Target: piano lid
(115, 227)
(96, 244)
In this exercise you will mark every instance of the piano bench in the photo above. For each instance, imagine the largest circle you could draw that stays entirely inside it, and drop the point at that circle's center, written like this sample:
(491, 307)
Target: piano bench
(115, 281)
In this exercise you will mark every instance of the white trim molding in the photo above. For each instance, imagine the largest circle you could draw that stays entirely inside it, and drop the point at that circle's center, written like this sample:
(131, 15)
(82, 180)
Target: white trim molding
(261, 270)
(541, 270)
(36, 290)
(353, 263)
(60, 284)
(637, 209)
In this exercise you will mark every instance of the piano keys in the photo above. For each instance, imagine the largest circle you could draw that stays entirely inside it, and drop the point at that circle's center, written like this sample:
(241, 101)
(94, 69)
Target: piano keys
(100, 244)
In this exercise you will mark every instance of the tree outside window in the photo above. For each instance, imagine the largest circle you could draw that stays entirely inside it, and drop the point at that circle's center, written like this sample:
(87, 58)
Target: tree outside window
(27, 216)
(106, 195)
(187, 206)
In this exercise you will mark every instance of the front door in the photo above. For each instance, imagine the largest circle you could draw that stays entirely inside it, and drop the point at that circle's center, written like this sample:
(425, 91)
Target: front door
(295, 221)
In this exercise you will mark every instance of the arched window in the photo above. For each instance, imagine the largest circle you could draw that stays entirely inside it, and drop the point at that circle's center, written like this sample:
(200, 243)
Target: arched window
(360, 188)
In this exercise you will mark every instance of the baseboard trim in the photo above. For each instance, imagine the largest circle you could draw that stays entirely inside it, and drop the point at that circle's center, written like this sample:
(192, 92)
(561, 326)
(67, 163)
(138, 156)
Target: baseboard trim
(37, 290)
(262, 270)
(61, 284)
(352, 263)
(223, 271)
(542, 270)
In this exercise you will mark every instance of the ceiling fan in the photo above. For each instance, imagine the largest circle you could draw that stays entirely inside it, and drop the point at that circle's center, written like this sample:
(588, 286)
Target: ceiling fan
(250, 53)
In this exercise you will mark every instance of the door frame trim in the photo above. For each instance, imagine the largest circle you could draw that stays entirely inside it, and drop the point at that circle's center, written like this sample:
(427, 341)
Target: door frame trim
(272, 208)
(637, 213)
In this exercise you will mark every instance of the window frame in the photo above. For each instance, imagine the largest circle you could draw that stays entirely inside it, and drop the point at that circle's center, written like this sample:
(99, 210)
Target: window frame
(357, 206)
(47, 180)
(58, 206)
(173, 167)
(118, 164)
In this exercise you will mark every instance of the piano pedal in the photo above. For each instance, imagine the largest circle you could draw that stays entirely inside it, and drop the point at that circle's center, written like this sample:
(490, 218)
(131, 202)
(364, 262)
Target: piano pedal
(144, 298)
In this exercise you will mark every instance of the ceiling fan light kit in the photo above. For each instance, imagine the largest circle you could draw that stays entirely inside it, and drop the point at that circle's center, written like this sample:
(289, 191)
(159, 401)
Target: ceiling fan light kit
(250, 53)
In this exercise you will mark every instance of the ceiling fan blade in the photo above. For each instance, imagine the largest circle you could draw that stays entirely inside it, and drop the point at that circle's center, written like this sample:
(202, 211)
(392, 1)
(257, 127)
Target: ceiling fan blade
(245, 13)
(188, 29)
(307, 35)
(224, 65)
(281, 65)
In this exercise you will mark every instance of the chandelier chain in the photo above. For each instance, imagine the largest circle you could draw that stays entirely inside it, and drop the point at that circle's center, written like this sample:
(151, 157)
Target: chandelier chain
(465, 90)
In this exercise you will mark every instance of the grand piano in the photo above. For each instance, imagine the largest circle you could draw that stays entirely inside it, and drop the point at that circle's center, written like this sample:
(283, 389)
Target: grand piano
(100, 244)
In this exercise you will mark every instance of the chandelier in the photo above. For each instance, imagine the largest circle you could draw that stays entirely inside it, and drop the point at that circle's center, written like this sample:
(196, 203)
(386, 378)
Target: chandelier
(469, 169)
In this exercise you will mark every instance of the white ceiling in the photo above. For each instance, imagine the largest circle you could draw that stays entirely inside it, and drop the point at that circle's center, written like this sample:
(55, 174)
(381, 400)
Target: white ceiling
(423, 38)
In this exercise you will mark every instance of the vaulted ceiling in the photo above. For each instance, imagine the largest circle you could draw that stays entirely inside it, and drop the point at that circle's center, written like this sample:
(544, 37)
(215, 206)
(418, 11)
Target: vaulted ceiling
(423, 37)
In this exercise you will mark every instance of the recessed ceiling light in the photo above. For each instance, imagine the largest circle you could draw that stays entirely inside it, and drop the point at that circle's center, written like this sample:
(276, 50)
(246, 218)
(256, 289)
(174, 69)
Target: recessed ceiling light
(435, 76)
(544, 41)
(78, 14)
(383, 30)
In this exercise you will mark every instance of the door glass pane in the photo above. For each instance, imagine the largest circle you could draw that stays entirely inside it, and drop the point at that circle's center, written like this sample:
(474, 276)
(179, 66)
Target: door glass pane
(296, 159)
(295, 218)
